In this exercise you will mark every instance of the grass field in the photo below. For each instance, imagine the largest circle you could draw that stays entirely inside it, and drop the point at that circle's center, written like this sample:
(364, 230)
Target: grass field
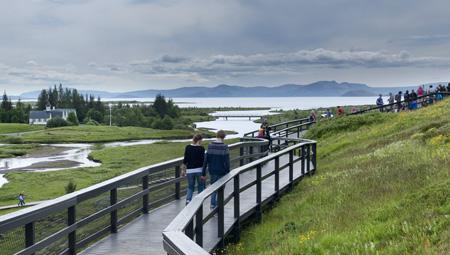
(382, 187)
(9, 151)
(98, 134)
(7, 128)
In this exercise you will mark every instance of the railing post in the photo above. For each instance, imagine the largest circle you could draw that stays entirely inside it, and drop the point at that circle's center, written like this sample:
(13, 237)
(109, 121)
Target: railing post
(308, 165)
(314, 157)
(199, 226)
(113, 201)
(189, 231)
(291, 169)
(177, 184)
(221, 216)
(241, 153)
(277, 178)
(303, 157)
(250, 153)
(237, 210)
(145, 198)
(258, 193)
(29, 234)
(71, 218)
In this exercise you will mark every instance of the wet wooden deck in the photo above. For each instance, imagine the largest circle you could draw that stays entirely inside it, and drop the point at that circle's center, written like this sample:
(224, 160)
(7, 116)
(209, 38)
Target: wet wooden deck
(144, 235)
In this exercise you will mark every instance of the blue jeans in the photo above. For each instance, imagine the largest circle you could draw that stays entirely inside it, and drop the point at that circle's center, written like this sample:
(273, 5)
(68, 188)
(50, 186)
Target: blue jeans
(192, 178)
(214, 178)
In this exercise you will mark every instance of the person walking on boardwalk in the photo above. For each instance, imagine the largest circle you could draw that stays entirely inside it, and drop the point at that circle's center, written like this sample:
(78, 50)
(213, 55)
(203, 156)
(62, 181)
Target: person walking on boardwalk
(194, 157)
(413, 99)
(406, 99)
(398, 99)
(312, 116)
(340, 111)
(21, 198)
(420, 91)
(391, 102)
(328, 113)
(380, 103)
(217, 161)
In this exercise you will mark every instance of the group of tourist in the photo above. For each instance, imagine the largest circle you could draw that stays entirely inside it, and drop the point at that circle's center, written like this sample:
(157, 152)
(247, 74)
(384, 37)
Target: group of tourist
(413, 100)
(196, 162)
(215, 161)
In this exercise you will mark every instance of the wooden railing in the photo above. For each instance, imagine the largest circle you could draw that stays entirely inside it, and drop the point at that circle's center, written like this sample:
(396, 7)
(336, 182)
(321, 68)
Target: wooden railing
(185, 234)
(279, 126)
(421, 101)
(69, 223)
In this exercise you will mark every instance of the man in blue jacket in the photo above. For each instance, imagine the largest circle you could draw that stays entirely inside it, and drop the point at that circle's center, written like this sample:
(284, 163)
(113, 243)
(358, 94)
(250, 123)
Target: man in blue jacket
(217, 160)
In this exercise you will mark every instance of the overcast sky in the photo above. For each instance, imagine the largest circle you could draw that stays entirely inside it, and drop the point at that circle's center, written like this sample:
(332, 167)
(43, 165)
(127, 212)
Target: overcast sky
(122, 45)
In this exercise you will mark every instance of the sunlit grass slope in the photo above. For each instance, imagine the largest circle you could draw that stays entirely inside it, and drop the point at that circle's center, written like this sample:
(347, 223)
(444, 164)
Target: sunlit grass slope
(382, 187)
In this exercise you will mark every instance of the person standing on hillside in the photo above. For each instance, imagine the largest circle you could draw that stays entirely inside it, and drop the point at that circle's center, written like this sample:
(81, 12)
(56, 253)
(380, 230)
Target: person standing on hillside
(217, 161)
(413, 99)
(398, 100)
(420, 91)
(328, 112)
(380, 103)
(194, 157)
(391, 102)
(406, 99)
(340, 111)
(312, 116)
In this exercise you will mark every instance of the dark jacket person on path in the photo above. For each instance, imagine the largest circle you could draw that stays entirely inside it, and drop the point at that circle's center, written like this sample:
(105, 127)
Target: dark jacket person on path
(217, 161)
(21, 198)
(194, 157)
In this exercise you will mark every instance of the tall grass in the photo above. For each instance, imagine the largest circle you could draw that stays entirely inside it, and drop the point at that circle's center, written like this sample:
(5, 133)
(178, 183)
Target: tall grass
(382, 187)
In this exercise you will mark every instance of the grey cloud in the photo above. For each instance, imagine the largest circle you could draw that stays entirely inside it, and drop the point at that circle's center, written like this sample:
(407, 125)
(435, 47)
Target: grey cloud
(235, 41)
(281, 62)
(173, 59)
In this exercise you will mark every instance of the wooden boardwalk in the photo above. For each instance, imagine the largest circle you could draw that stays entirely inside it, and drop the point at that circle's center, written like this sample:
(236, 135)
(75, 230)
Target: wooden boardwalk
(144, 234)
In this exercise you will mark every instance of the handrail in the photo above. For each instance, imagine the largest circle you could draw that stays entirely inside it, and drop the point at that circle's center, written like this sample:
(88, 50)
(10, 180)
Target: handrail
(67, 204)
(184, 235)
(275, 127)
(391, 106)
(297, 128)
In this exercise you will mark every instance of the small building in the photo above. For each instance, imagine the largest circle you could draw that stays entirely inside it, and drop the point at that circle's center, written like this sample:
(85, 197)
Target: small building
(41, 117)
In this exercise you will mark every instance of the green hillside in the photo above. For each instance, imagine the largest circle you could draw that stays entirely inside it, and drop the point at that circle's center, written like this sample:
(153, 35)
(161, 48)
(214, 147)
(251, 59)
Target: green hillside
(382, 187)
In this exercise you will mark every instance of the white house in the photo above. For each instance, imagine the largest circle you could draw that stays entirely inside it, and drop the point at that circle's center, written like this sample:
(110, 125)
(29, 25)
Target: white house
(41, 117)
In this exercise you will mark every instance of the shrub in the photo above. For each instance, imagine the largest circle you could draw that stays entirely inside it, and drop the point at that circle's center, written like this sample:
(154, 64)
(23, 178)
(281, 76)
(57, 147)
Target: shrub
(70, 187)
(164, 124)
(13, 140)
(72, 119)
(56, 122)
(92, 123)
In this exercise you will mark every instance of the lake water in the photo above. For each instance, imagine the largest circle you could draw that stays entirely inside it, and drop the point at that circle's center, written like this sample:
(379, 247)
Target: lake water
(3, 180)
(284, 103)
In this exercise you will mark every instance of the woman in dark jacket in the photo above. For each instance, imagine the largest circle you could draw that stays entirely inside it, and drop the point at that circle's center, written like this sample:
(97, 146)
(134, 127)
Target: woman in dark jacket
(194, 156)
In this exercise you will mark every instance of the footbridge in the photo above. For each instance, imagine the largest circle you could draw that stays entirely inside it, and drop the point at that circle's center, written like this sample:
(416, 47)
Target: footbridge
(144, 212)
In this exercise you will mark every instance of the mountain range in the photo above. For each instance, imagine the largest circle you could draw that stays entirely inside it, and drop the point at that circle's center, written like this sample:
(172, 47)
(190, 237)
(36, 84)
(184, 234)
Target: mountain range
(316, 89)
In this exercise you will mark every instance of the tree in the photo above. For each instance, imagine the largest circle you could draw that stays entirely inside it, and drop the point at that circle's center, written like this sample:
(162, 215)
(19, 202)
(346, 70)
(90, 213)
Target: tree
(72, 119)
(160, 105)
(5, 109)
(164, 124)
(42, 100)
(93, 114)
